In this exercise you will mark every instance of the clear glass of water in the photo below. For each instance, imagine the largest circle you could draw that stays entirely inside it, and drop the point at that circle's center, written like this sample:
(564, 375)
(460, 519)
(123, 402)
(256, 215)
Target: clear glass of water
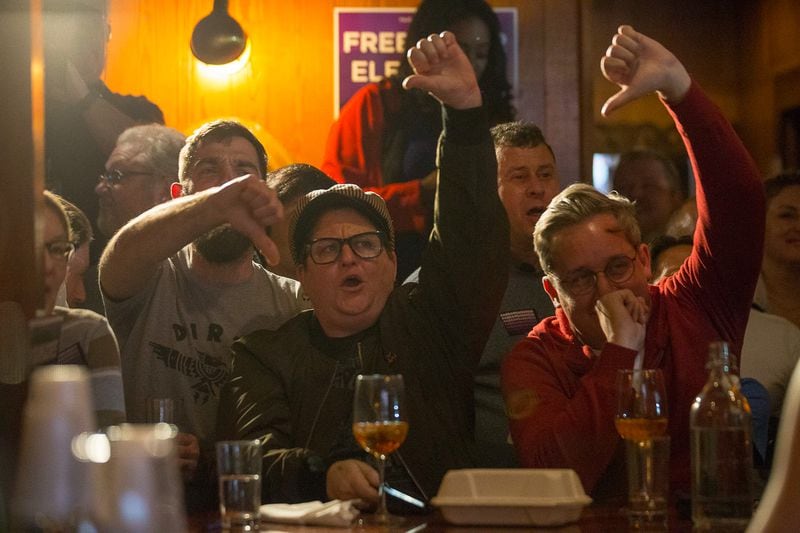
(239, 469)
(161, 410)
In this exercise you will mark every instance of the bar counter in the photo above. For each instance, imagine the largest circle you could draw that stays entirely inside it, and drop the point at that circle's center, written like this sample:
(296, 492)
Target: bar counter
(599, 518)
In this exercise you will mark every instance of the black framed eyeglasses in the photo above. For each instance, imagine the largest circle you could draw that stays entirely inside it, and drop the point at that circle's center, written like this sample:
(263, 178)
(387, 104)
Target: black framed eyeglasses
(113, 177)
(619, 269)
(326, 250)
(59, 250)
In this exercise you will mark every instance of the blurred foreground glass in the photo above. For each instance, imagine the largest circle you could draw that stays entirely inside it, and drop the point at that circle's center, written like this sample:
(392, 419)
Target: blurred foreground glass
(53, 489)
(642, 421)
(142, 485)
(239, 469)
(380, 427)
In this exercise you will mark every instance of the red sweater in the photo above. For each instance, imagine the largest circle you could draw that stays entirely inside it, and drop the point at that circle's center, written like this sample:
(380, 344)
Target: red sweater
(561, 398)
(353, 154)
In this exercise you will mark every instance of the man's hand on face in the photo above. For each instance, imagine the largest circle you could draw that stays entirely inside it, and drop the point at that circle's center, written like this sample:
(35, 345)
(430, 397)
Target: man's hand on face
(351, 479)
(623, 317)
(250, 207)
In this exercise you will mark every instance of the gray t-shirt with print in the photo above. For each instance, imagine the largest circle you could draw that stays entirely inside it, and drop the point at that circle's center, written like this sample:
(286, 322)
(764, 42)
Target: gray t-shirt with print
(175, 336)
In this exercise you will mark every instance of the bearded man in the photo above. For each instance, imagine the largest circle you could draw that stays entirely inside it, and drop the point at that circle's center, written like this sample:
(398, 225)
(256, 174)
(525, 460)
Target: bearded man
(180, 285)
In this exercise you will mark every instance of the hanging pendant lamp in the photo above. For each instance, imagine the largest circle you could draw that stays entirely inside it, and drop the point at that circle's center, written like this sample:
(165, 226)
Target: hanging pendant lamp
(218, 39)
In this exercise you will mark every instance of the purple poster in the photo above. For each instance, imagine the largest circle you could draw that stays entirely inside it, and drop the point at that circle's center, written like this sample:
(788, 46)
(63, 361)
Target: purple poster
(370, 42)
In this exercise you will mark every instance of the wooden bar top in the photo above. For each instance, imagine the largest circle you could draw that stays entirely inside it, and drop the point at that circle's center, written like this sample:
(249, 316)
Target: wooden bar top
(598, 518)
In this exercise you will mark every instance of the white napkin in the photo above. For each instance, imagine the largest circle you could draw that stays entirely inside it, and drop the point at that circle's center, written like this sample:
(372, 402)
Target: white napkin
(336, 513)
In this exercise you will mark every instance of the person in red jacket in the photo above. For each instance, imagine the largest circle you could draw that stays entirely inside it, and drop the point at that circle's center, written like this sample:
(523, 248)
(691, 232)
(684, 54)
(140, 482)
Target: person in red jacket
(558, 383)
(385, 138)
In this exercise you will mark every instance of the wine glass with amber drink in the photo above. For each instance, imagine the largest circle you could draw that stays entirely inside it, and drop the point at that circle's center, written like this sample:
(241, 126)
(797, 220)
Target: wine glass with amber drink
(380, 425)
(642, 421)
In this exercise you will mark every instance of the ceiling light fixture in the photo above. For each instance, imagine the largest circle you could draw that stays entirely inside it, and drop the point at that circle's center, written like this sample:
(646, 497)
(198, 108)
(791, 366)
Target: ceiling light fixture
(218, 39)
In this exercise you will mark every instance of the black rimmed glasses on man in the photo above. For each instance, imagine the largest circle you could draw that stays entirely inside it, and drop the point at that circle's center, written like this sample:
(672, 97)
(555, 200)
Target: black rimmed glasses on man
(619, 269)
(326, 250)
(113, 177)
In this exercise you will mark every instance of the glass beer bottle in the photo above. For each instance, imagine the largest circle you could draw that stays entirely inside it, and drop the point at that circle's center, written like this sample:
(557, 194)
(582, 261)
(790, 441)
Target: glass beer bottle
(722, 455)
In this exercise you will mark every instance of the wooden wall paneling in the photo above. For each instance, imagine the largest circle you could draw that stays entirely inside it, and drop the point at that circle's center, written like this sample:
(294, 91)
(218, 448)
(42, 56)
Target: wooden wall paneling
(607, 16)
(297, 76)
(588, 65)
(286, 91)
(787, 90)
(783, 19)
(780, 20)
(21, 180)
(705, 36)
(530, 94)
(770, 51)
(561, 82)
(21, 152)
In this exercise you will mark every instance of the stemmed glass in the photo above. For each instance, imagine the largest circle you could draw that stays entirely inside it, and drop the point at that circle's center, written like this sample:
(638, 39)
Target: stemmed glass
(642, 421)
(380, 425)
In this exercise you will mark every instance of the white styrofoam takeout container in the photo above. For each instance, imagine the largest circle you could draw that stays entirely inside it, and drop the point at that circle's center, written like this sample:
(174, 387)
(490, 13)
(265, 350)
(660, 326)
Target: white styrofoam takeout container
(519, 496)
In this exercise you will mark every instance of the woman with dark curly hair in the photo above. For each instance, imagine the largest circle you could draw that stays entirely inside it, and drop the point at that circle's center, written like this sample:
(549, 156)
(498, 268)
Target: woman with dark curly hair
(385, 137)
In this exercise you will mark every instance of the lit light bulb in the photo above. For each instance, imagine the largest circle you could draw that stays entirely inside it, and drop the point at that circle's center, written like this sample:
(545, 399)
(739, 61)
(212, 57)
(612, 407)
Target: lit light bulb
(222, 72)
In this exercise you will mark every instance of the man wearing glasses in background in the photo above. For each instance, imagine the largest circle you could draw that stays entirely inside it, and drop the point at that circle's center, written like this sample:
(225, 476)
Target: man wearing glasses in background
(559, 383)
(138, 175)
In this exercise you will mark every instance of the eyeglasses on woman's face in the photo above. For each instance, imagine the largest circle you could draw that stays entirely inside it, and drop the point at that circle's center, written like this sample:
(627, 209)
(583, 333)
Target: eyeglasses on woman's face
(326, 250)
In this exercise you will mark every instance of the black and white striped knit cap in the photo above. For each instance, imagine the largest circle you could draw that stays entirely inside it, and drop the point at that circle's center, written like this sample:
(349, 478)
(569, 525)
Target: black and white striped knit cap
(342, 195)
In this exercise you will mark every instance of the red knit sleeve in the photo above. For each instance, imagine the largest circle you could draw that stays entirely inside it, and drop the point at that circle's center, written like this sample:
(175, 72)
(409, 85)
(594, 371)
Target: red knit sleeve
(561, 416)
(726, 259)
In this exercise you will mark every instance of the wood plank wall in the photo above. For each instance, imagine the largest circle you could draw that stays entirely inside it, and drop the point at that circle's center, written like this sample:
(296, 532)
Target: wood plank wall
(744, 53)
(286, 92)
(21, 152)
(771, 85)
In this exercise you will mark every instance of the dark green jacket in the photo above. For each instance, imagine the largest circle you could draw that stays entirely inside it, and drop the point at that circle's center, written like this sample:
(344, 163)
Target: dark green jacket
(433, 333)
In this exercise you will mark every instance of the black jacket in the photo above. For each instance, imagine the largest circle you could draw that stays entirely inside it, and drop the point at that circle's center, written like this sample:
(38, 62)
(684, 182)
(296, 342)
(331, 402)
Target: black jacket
(294, 386)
